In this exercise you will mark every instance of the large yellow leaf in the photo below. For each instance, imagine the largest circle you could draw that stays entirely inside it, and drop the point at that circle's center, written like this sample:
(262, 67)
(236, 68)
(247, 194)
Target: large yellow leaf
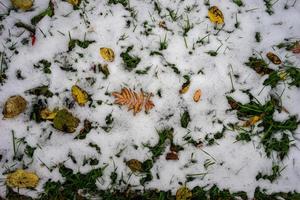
(215, 15)
(22, 4)
(107, 54)
(22, 179)
(253, 120)
(79, 95)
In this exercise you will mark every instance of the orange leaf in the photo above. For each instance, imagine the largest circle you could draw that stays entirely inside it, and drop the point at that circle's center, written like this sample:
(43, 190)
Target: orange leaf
(197, 95)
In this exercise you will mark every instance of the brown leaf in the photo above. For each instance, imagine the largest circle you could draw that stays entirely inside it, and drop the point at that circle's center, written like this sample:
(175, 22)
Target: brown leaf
(183, 193)
(134, 101)
(273, 58)
(172, 156)
(197, 95)
(14, 106)
(134, 165)
(296, 48)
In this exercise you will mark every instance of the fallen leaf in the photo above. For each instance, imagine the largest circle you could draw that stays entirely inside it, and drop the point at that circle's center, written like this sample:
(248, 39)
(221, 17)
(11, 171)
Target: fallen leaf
(74, 2)
(65, 121)
(296, 48)
(48, 114)
(184, 88)
(183, 193)
(134, 101)
(197, 95)
(107, 54)
(215, 15)
(14, 106)
(134, 165)
(79, 95)
(273, 58)
(172, 156)
(22, 4)
(253, 120)
(22, 179)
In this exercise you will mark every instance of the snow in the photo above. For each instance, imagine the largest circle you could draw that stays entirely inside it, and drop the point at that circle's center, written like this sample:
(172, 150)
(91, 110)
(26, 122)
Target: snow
(237, 163)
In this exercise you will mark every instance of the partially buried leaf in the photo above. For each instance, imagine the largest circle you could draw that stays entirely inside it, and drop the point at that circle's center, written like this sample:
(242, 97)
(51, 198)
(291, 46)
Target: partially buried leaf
(184, 88)
(74, 2)
(107, 54)
(185, 119)
(14, 106)
(65, 121)
(22, 4)
(22, 179)
(183, 193)
(253, 120)
(134, 165)
(197, 95)
(79, 95)
(273, 58)
(48, 114)
(172, 156)
(215, 15)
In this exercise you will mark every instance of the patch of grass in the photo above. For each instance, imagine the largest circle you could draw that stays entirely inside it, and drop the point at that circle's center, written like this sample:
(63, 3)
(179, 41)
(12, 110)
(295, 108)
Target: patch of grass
(3, 68)
(130, 62)
(185, 119)
(44, 65)
(81, 43)
(49, 11)
(257, 37)
(259, 65)
(163, 44)
(40, 91)
(276, 170)
(238, 2)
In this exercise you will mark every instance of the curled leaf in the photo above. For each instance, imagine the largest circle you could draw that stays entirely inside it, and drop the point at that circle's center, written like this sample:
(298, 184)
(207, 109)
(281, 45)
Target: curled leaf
(107, 54)
(22, 4)
(183, 193)
(215, 15)
(184, 88)
(79, 95)
(197, 95)
(253, 120)
(273, 58)
(65, 121)
(22, 179)
(14, 106)
(134, 165)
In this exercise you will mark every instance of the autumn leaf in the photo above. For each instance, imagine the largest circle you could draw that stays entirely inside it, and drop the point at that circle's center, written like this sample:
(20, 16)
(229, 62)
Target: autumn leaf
(22, 179)
(65, 121)
(135, 101)
(74, 2)
(273, 58)
(48, 114)
(14, 106)
(197, 95)
(253, 120)
(172, 156)
(134, 165)
(79, 95)
(183, 193)
(215, 15)
(107, 54)
(22, 4)
(296, 48)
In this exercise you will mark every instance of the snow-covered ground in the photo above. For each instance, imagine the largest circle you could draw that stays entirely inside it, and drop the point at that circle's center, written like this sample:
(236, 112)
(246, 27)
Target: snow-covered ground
(235, 163)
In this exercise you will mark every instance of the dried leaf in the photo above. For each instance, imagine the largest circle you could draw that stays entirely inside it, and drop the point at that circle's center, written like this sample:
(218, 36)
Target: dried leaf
(22, 179)
(74, 2)
(172, 156)
(65, 121)
(273, 58)
(14, 106)
(48, 114)
(79, 95)
(134, 165)
(215, 15)
(184, 88)
(253, 120)
(296, 48)
(197, 95)
(107, 54)
(134, 101)
(183, 193)
(22, 4)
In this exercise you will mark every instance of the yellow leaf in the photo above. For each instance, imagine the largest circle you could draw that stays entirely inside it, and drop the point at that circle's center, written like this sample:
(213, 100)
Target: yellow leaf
(22, 4)
(184, 88)
(252, 121)
(74, 2)
(22, 179)
(79, 95)
(14, 106)
(282, 75)
(134, 165)
(273, 58)
(183, 193)
(107, 54)
(47, 114)
(215, 15)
